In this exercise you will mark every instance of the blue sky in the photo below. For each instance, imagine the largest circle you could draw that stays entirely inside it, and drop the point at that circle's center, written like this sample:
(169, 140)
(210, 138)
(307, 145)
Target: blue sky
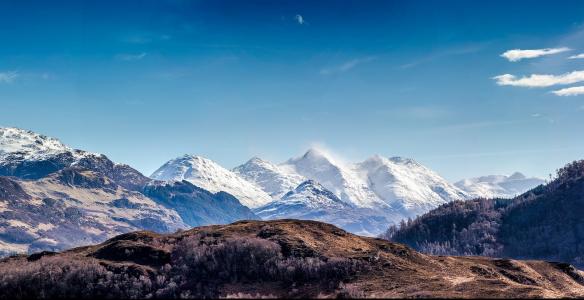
(146, 81)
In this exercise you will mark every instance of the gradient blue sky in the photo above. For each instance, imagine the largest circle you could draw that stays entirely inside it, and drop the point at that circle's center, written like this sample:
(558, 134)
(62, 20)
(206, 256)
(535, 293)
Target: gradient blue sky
(146, 81)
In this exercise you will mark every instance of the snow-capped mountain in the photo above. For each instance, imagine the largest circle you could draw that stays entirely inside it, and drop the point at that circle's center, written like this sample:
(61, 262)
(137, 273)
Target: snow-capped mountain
(382, 189)
(312, 201)
(28, 145)
(335, 176)
(207, 174)
(29, 155)
(406, 185)
(308, 199)
(273, 179)
(387, 183)
(498, 186)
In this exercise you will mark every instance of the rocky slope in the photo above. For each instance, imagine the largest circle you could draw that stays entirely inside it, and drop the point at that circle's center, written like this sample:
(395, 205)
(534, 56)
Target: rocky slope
(284, 258)
(74, 207)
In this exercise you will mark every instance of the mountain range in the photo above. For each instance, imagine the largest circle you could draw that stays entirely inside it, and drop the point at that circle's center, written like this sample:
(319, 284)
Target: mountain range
(498, 186)
(376, 191)
(84, 197)
(53, 197)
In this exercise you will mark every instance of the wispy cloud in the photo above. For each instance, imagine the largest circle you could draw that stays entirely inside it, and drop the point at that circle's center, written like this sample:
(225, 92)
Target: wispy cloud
(454, 51)
(8, 77)
(346, 66)
(145, 37)
(571, 91)
(131, 57)
(544, 117)
(299, 19)
(518, 54)
(540, 80)
(577, 56)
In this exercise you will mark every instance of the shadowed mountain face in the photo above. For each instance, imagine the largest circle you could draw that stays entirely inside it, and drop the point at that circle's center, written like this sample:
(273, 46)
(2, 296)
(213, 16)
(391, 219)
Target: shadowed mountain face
(197, 206)
(544, 223)
(283, 258)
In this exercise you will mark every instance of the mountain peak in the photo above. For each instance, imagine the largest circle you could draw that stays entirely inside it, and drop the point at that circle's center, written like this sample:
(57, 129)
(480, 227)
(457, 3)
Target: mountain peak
(403, 160)
(315, 153)
(256, 160)
(29, 144)
(273, 179)
(516, 176)
(209, 175)
(309, 183)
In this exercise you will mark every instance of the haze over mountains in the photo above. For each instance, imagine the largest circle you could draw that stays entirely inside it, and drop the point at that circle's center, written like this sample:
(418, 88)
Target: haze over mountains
(55, 197)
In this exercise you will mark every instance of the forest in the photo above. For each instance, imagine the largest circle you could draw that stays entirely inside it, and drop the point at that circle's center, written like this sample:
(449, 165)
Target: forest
(543, 223)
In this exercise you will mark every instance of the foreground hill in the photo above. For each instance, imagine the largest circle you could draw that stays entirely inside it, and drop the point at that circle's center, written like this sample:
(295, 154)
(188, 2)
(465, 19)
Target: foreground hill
(544, 223)
(284, 258)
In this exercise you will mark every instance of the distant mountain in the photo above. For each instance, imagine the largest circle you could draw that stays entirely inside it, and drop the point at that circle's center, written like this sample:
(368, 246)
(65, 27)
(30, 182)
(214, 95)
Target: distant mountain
(57, 197)
(543, 223)
(394, 184)
(273, 179)
(406, 185)
(375, 192)
(498, 186)
(335, 176)
(207, 174)
(311, 201)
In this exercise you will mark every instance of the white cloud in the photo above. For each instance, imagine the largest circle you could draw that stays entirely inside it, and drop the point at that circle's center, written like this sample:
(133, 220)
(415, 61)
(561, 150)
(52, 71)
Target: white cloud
(346, 66)
(8, 77)
(540, 80)
(131, 57)
(571, 91)
(578, 56)
(518, 54)
(299, 19)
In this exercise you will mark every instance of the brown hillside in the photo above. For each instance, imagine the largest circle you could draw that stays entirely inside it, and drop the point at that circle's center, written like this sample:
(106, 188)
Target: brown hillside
(297, 258)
